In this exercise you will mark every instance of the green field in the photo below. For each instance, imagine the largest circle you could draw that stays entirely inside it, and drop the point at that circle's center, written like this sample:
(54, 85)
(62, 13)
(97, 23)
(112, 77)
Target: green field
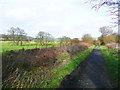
(112, 62)
(8, 45)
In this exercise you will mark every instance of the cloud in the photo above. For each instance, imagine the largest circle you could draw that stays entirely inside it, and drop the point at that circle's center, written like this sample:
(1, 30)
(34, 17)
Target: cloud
(58, 17)
(40, 1)
(51, 23)
(21, 14)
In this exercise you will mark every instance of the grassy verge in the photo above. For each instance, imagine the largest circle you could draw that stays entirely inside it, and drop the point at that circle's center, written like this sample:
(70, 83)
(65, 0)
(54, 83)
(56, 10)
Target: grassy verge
(112, 61)
(59, 74)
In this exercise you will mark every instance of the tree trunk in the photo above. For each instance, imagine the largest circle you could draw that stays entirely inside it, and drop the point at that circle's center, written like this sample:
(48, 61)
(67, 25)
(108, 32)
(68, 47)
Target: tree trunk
(21, 43)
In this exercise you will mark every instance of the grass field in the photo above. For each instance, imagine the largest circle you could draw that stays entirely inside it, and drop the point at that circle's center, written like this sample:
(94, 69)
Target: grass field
(25, 43)
(8, 45)
(112, 62)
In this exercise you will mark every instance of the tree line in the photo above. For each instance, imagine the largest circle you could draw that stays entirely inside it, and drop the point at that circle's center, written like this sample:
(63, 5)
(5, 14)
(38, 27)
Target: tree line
(108, 36)
(18, 35)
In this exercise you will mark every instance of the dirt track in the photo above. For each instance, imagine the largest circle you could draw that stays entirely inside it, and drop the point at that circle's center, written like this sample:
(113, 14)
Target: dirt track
(91, 73)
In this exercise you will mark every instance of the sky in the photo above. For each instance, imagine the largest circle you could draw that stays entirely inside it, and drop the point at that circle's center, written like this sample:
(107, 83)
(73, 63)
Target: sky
(72, 18)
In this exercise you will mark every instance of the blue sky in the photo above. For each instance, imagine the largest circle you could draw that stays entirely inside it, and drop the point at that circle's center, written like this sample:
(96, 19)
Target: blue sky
(72, 18)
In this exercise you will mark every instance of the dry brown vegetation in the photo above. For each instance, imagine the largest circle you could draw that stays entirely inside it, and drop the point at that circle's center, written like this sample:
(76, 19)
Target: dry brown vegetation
(17, 63)
(113, 46)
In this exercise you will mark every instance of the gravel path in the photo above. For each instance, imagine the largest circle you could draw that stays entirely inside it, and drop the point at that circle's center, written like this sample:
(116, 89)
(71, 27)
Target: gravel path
(91, 73)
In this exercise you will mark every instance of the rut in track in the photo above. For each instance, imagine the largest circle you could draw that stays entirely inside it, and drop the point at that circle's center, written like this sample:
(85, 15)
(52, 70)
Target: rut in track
(91, 73)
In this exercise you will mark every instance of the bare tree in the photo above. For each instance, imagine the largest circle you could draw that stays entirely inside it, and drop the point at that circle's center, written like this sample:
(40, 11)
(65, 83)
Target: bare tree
(20, 35)
(48, 38)
(64, 40)
(44, 38)
(114, 8)
(88, 38)
(41, 37)
(12, 33)
(106, 30)
(16, 35)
